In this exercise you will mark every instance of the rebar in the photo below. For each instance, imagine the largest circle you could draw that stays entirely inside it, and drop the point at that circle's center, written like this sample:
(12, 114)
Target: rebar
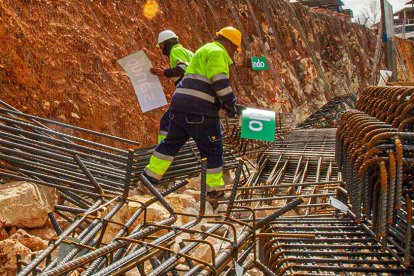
(297, 177)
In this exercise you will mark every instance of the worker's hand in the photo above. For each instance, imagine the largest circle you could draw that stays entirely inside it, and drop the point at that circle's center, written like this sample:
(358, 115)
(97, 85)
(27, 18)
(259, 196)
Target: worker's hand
(231, 110)
(240, 108)
(157, 71)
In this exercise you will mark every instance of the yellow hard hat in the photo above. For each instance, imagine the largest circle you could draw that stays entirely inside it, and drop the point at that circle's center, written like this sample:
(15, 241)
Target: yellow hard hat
(231, 34)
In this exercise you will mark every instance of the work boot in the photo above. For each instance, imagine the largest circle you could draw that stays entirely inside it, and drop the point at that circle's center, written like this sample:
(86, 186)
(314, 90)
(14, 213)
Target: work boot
(152, 180)
(214, 196)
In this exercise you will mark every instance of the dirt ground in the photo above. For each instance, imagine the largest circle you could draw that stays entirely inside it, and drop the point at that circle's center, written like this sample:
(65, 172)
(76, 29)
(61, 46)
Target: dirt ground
(58, 58)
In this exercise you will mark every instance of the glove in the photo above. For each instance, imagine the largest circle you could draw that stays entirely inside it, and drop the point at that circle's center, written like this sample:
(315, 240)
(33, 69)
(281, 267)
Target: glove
(233, 110)
(240, 108)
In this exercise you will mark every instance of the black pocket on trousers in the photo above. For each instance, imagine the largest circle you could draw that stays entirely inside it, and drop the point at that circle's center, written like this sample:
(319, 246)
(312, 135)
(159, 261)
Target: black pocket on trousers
(194, 119)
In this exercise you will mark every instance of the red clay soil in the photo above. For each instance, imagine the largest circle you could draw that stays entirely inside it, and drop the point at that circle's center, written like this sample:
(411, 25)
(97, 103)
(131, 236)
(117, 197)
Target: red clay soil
(58, 58)
(406, 48)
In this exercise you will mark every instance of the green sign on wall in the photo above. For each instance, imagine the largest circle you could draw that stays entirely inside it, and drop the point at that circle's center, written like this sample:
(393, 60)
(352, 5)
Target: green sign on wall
(258, 124)
(259, 63)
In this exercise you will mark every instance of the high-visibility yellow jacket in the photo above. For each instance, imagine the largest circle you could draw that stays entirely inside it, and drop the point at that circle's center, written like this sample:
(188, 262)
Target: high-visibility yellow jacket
(180, 58)
(205, 87)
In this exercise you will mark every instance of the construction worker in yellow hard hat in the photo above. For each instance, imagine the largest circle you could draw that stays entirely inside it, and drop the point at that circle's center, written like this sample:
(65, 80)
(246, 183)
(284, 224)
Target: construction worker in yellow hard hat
(231, 34)
(180, 58)
(195, 105)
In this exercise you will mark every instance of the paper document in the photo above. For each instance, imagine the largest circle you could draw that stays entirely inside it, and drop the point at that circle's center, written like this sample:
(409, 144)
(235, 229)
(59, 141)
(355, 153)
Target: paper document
(146, 85)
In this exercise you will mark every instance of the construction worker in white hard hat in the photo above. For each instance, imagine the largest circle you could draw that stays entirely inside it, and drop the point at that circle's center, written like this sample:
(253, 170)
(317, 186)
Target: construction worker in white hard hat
(195, 105)
(180, 58)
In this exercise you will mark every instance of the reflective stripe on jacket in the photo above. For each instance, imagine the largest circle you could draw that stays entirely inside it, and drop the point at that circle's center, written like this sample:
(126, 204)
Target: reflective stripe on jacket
(180, 56)
(206, 85)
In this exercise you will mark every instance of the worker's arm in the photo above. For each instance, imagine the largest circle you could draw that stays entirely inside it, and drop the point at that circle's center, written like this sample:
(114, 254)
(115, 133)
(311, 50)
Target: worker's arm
(218, 72)
(221, 84)
(179, 60)
(177, 71)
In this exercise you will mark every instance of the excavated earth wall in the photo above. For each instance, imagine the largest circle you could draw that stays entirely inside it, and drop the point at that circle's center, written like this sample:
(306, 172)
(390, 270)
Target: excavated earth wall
(406, 50)
(59, 58)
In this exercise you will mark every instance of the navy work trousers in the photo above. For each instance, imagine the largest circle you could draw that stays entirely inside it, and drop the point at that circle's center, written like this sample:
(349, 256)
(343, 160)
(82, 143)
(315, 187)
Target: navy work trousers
(206, 133)
(204, 130)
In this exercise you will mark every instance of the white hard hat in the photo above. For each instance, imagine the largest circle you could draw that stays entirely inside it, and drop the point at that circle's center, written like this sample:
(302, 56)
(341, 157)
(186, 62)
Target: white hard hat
(165, 35)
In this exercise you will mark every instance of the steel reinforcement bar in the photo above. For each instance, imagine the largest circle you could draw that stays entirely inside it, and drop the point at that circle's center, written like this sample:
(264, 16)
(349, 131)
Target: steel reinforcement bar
(375, 151)
(321, 236)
